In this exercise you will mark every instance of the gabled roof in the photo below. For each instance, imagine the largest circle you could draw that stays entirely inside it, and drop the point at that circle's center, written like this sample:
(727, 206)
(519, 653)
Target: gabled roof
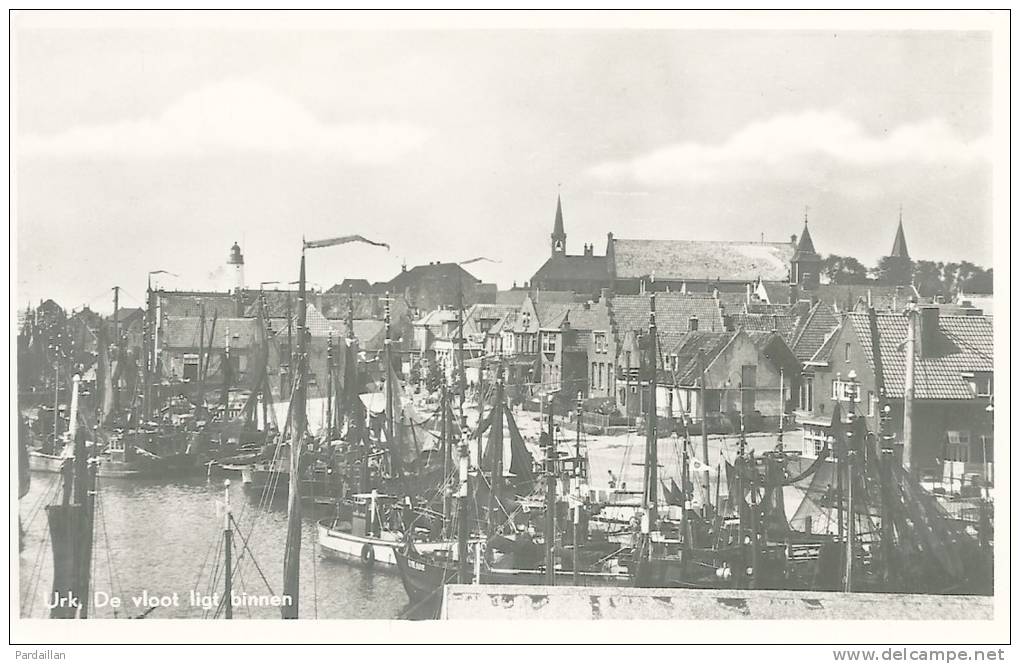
(593, 317)
(551, 314)
(369, 333)
(687, 348)
(430, 271)
(127, 314)
(673, 312)
(317, 324)
(573, 268)
(352, 286)
(701, 260)
(813, 331)
(514, 296)
(785, 324)
(966, 345)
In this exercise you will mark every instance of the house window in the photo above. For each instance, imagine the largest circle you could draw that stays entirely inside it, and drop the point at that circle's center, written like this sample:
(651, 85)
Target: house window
(807, 396)
(958, 446)
(713, 401)
(548, 343)
(846, 353)
(602, 384)
(601, 344)
(872, 404)
(846, 391)
(190, 367)
(593, 366)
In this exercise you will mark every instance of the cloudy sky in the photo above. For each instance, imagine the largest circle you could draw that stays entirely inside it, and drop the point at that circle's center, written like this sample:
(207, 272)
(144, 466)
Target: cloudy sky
(154, 148)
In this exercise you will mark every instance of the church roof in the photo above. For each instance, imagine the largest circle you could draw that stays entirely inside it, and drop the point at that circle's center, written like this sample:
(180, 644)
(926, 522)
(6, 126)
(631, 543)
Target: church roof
(899, 247)
(558, 223)
(702, 260)
(573, 268)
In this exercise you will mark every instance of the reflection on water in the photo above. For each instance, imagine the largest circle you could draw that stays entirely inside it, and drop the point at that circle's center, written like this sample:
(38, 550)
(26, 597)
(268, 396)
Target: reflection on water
(163, 538)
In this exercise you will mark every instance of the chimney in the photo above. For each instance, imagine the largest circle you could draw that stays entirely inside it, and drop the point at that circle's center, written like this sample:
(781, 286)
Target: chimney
(692, 324)
(749, 293)
(929, 333)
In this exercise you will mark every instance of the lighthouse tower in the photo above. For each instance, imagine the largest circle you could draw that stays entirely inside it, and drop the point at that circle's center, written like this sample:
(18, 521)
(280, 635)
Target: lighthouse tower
(235, 268)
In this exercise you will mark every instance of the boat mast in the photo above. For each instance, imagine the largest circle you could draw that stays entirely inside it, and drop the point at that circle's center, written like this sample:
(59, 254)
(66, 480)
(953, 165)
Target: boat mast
(116, 342)
(292, 555)
(883, 450)
(550, 503)
(329, 387)
(704, 425)
(445, 451)
(651, 437)
(201, 353)
(463, 524)
(228, 540)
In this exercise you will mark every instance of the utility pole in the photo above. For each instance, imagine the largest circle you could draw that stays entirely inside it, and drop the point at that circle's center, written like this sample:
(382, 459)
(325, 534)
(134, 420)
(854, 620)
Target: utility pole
(908, 389)
(228, 540)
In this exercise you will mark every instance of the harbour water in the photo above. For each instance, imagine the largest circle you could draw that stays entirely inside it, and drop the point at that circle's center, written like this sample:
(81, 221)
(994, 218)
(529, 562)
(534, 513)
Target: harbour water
(160, 542)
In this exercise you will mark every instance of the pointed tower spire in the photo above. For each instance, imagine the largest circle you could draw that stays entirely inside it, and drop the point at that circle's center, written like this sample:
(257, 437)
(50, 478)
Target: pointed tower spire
(805, 265)
(899, 247)
(559, 236)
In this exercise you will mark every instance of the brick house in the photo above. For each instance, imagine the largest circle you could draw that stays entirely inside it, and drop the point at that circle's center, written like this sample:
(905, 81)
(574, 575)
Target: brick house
(953, 386)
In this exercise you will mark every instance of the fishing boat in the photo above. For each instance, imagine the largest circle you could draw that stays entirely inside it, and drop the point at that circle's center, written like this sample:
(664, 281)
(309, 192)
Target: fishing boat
(370, 525)
(750, 542)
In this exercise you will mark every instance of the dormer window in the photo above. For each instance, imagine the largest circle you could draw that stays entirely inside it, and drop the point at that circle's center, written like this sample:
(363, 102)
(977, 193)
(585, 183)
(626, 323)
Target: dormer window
(981, 383)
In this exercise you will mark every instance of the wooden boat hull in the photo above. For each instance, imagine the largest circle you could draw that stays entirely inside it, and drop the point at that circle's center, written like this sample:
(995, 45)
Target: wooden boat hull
(366, 550)
(45, 463)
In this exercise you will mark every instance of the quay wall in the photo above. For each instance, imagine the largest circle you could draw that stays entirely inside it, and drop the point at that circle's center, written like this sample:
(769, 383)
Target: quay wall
(501, 602)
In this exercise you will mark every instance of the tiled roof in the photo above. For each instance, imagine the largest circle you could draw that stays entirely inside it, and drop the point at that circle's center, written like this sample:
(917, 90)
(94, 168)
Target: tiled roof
(182, 304)
(369, 333)
(506, 322)
(845, 297)
(573, 268)
(436, 317)
(592, 317)
(732, 303)
(184, 332)
(352, 286)
(701, 260)
(515, 296)
(317, 324)
(813, 330)
(965, 345)
(778, 292)
(687, 348)
(784, 324)
(551, 314)
(673, 312)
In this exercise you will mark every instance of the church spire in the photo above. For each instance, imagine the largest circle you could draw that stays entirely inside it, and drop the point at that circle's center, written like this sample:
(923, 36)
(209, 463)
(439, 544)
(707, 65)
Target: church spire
(559, 236)
(899, 247)
(806, 245)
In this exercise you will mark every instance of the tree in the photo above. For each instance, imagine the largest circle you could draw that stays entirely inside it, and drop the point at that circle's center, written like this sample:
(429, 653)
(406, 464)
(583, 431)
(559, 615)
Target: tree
(893, 270)
(928, 278)
(844, 270)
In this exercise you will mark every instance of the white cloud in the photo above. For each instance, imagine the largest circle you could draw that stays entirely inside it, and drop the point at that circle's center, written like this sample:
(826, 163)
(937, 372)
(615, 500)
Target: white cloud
(786, 145)
(231, 116)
